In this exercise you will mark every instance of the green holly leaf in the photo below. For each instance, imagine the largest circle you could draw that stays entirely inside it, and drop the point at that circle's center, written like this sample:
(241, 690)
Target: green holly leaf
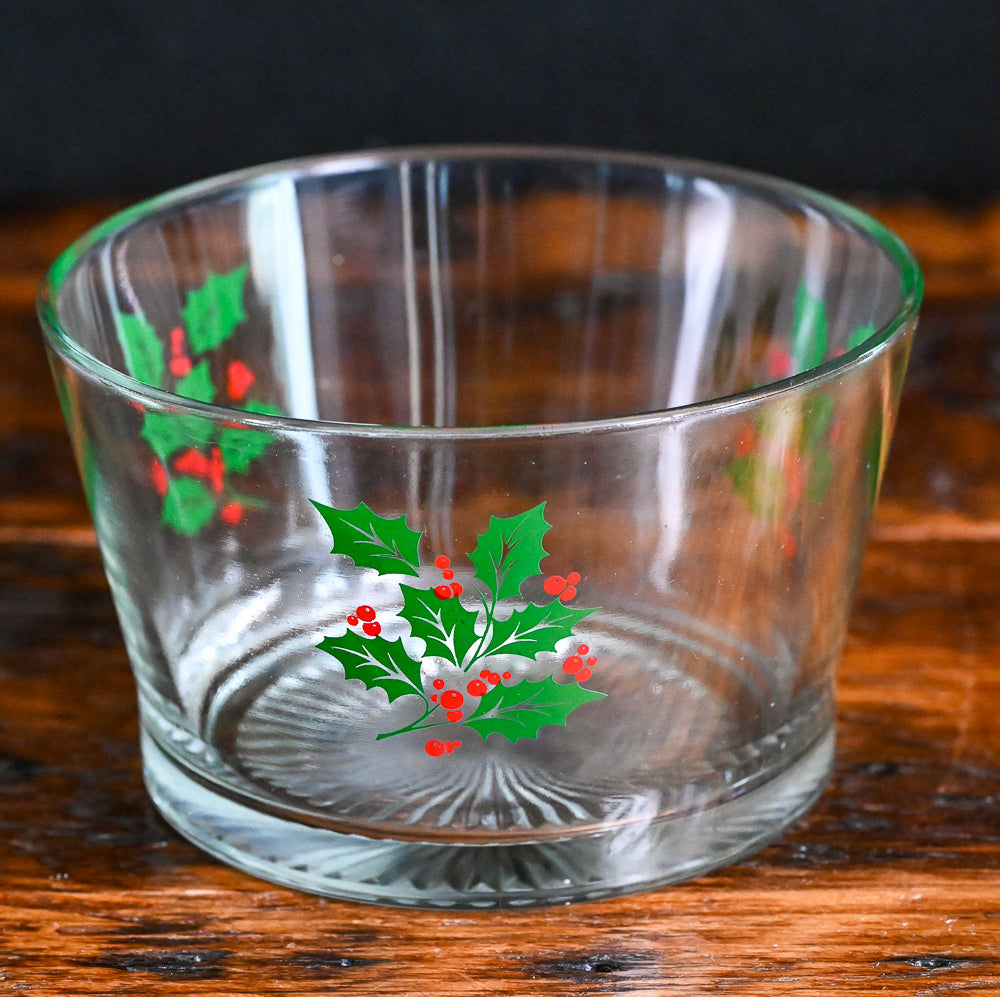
(510, 551)
(376, 662)
(534, 629)
(860, 335)
(188, 505)
(241, 447)
(816, 416)
(522, 710)
(142, 348)
(197, 383)
(370, 541)
(820, 475)
(447, 627)
(762, 487)
(809, 330)
(212, 312)
(262, 408)
(167, 433)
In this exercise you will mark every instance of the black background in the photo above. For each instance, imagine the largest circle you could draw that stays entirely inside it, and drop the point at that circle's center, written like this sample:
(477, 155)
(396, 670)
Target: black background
(105, 98)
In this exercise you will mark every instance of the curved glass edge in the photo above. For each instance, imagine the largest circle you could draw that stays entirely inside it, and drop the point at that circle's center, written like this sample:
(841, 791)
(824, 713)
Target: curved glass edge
(911, 284)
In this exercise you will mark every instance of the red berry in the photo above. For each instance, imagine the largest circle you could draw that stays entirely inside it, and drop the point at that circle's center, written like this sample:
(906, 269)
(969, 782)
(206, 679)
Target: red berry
(443, 592)
(158, 475)
(583, 674)
(452, 699)
(447, 574)
(456, 588)
(179, 363)
(592, 661)
(787, 543)
(454, 716)
(372, 629)
(554, 584)
(567, 593)
(365, 613)
(231, 512)
(239, 378)
(573, 578)
(180, 366)
(779, 362)
(438, 683)
(793, 478)
(484, 674)
(493, 678)
(477, 687)
(572, 664)
(216, 470)
(450, 746)
(748, 437)
(192, 462)
(507, 675)
(582, 649)
(434, 748)
(434, 697)
(442, 562)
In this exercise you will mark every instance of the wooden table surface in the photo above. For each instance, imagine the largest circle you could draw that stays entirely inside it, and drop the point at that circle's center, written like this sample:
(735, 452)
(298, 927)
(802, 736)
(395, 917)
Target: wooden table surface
(891, 884)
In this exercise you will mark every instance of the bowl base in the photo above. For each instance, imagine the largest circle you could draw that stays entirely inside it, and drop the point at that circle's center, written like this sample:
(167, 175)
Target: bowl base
(622, 859)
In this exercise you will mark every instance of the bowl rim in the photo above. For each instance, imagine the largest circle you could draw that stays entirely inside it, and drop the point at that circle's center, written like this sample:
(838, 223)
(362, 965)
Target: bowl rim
(755, 183)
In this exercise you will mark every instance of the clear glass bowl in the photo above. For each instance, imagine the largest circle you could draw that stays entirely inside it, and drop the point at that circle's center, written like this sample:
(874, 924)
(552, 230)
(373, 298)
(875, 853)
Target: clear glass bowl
(483, 523)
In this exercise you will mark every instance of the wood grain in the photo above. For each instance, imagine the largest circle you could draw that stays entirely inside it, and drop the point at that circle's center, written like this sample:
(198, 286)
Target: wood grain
(891, 885)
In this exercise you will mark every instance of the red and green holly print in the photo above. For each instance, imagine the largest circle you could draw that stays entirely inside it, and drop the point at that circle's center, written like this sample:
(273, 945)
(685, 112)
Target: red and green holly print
(469, 634)
(784, 457)
(196, 463)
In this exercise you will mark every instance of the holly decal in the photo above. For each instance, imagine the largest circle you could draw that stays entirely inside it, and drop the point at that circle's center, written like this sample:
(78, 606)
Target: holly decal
(784, 458)
(480, 696)
(195, 461)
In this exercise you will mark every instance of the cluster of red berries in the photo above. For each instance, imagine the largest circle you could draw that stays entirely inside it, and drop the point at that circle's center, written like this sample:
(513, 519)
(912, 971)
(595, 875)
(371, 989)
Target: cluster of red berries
(180, 362)
(191, 461)
(565, 588)
(437, 748)
(450, 588)
(365, 615)
(239, 377)
(198, 465)
(574, 665)
(746, 443)
(210, 468)
(452, 700)
(793, 479)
